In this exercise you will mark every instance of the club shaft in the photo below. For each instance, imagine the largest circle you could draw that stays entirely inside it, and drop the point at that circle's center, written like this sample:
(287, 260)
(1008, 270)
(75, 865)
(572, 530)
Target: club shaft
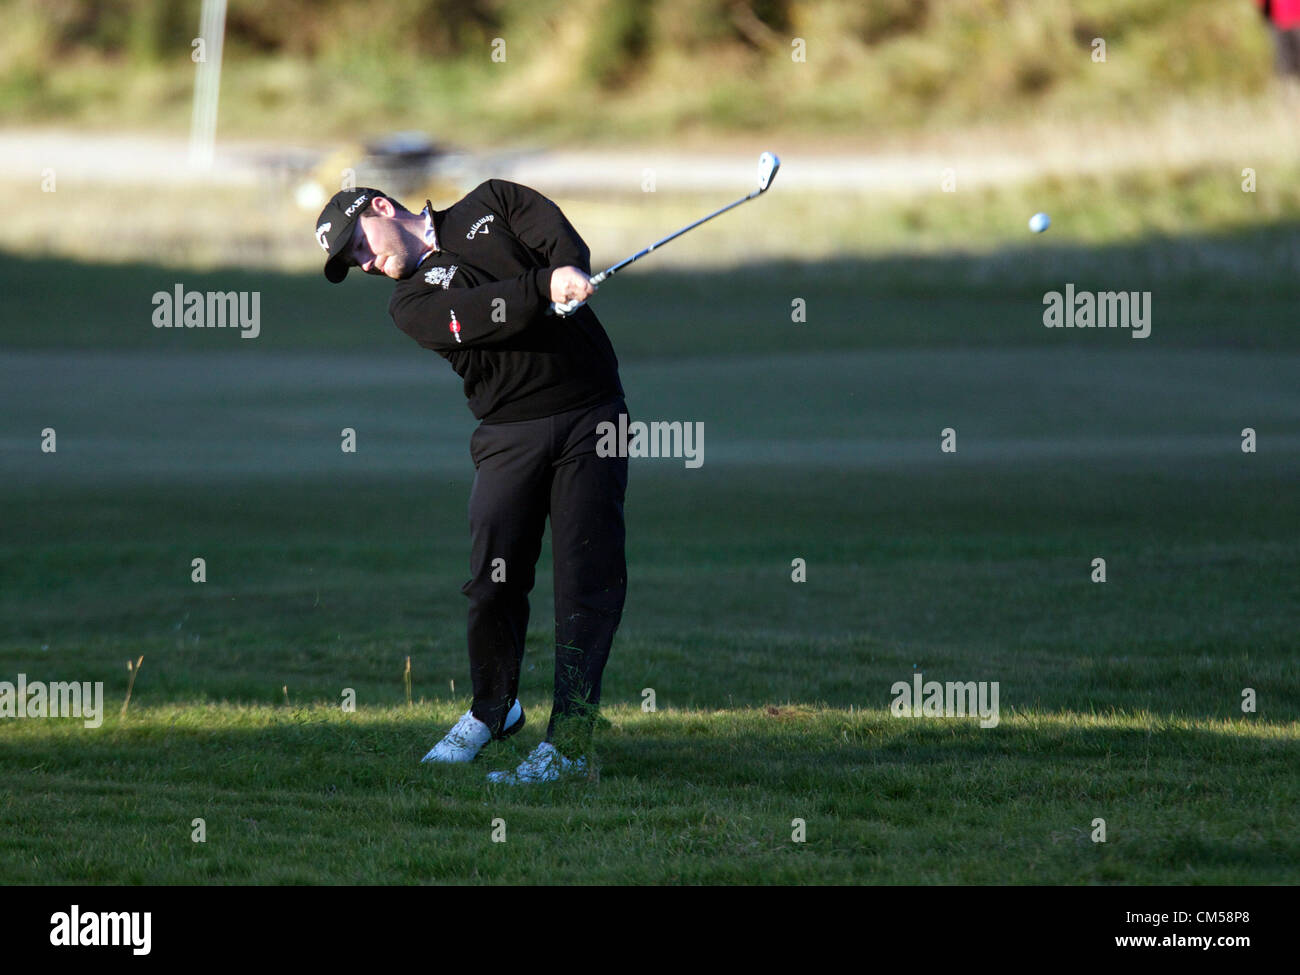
(765, 180)
(615, 268)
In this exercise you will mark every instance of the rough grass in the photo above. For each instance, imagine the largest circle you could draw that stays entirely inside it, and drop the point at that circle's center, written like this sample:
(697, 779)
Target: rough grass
(1119, 701)
(311, 795)
(306, 70)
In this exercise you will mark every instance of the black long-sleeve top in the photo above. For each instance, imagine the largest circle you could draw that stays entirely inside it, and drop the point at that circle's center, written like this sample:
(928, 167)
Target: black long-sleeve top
(497, 250)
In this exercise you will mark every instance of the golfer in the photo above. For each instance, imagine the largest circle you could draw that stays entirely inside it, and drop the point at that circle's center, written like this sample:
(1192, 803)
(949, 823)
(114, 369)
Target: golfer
(474, 282)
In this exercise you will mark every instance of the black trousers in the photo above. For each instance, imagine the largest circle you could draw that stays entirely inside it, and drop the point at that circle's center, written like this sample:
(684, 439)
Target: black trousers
(525, 471)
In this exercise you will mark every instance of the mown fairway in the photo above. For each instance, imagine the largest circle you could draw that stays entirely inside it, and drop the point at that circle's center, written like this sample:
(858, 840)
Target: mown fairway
(1119, 701)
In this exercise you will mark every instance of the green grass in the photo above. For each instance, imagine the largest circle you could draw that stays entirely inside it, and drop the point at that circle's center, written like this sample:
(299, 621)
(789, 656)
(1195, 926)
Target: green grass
(325, 571)
(1119, 701)
(989, 295)
(312, 795)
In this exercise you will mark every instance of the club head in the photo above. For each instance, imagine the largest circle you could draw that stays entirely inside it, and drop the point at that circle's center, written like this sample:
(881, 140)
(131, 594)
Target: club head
(768, 164)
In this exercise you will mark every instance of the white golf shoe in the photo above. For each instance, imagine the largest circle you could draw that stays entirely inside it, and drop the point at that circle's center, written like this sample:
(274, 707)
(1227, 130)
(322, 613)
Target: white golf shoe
(467, 738)
(545, 764)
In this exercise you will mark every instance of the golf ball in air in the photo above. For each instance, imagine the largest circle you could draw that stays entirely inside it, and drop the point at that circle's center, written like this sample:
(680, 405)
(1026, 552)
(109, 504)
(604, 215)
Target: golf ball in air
(1039, 222)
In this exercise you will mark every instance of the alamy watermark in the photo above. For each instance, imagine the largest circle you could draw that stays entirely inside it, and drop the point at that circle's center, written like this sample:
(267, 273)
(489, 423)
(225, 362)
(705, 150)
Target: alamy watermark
(102, 929)
(179, 308)
(953, 699)
(659, 438)
(1098, 309)
(54, 699)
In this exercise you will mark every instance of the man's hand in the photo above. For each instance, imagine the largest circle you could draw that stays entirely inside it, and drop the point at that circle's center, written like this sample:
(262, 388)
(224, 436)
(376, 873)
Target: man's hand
(570, 284)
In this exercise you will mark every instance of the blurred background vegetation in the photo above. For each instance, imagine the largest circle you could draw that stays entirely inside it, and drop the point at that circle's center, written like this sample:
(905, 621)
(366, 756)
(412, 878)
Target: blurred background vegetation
(624, 70)
(1150, 145)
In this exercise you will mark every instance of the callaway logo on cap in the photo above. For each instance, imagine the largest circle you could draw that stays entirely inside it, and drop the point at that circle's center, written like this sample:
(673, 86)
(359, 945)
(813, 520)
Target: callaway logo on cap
(335, 225)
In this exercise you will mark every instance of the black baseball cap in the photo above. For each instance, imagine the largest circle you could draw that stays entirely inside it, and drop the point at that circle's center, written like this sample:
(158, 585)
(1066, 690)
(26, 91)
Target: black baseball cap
(335, 225)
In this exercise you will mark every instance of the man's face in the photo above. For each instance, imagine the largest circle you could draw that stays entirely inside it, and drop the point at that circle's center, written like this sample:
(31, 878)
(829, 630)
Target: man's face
(381, 245)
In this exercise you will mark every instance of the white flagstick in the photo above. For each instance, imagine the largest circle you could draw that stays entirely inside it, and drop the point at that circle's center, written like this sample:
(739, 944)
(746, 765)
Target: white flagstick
(207, 84)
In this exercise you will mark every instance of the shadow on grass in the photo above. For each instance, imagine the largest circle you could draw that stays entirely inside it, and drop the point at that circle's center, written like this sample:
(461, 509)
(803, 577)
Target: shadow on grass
(1232, 289)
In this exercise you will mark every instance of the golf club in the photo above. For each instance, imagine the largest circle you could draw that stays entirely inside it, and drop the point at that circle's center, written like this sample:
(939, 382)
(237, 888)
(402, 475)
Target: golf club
(768, 164)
